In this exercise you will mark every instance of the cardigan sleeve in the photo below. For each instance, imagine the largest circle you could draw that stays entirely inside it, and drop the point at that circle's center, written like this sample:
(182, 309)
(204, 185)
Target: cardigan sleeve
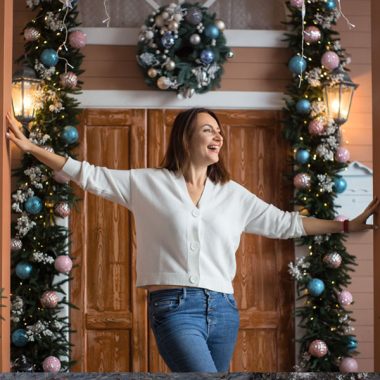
(265, 219)
(114, 185)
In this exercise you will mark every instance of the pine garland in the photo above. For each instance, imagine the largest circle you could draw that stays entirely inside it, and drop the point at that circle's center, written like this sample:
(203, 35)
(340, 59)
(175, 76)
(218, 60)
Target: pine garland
(40, 261)
(322, 275)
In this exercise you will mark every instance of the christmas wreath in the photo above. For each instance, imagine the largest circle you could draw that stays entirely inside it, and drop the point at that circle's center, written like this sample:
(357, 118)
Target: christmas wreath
(182, 48)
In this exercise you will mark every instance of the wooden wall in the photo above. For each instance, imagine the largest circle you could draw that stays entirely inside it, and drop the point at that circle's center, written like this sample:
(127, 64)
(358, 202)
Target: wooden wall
(264, 69)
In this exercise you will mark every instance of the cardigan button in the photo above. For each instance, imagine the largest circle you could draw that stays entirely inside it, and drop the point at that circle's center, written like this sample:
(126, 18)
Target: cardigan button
(195, 213)
(193, 279)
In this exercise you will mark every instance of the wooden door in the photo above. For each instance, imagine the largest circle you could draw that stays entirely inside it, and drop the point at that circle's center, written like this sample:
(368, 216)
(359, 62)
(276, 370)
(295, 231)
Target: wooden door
(111, 321)
(112, 324)
(256, 158)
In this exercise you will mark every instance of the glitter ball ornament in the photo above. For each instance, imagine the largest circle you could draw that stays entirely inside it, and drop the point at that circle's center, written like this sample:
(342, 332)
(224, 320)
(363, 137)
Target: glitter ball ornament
(302, 156)
(318, 348)
(342, 154)
(212, 31)
(49, 57)
(170, 65)
(207, 56)
(51, 364)
(333, 260)
(77, 39)
(297, 3)
(312, 34)
(33, 205)
(330, 60)
(316, 127)
(69, 134)
(194, 16)
(49, 299)
(330, 5)
(19, 338)
(152, 72)
(23, 270)
(63, 264)
(163, 83)
(31, 34)
(195, 39)
(167, 40)
(348, 365)
(220, 24)
(297, 64)
(16, 244)
(345, 298)
(303, 106)
(302, 181)
(316, 287)
(340, 185)
(68, 80)
(62, 209)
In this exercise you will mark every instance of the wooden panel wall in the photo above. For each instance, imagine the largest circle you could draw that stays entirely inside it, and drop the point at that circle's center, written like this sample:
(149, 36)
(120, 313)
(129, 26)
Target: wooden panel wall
(264, 69)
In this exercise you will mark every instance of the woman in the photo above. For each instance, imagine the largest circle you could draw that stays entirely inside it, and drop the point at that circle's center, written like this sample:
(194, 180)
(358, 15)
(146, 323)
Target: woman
(189, 217)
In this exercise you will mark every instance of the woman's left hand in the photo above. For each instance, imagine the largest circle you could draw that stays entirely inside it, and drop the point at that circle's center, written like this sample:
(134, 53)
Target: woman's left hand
(359, 223)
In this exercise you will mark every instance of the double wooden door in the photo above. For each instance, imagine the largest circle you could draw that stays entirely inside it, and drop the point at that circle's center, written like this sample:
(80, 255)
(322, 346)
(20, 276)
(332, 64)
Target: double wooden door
(112, 332)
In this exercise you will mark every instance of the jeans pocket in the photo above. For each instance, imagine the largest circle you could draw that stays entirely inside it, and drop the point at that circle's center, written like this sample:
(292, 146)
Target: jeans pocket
(230, 300)
(162, 306)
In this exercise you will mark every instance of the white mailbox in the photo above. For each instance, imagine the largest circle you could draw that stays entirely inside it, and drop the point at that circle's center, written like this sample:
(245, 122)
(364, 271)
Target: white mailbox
(359, 190)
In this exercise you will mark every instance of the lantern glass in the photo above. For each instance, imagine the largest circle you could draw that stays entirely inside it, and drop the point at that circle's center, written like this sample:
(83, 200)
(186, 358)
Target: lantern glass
(338, 98)
(24, 88)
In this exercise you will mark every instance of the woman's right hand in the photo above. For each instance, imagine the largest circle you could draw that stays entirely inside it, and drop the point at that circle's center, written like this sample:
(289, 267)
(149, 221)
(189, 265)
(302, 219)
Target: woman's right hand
(15, 134)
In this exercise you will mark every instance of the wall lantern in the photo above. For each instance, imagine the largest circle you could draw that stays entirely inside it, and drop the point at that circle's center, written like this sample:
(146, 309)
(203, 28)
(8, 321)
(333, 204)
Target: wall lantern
(338, 97)
(24, 86)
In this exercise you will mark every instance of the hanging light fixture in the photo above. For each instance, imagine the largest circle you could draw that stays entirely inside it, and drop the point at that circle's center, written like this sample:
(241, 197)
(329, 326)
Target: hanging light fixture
(24, 86)
(338, 97)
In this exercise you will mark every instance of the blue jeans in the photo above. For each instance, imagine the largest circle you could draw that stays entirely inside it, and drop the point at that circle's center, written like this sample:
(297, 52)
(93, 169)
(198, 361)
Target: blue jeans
(195, 329)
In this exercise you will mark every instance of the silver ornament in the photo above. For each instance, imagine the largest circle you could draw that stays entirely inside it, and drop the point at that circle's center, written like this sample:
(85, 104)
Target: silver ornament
(195, 39)
(333, 260)
(16, 244)
(165, 15)
(173, 25)
(220, 24)
(188, 92)
(68, 80)
(152, 72)
(31, 34)
(170, 65)
(62, 209)
(163, 83)
(149, 34)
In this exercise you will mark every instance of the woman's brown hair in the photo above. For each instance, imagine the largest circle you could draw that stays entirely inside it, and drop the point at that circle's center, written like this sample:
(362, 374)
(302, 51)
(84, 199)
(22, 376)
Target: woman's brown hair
(177, 156)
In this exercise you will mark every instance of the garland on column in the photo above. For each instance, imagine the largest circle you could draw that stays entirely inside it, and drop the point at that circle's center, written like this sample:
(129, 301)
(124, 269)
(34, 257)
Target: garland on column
(39, 244)
(322, 275)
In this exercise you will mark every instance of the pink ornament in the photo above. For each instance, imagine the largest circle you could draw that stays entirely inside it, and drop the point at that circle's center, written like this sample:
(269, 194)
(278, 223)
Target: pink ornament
(348, 365)
(318, 348)
(312, 34)
(31, 34)
(342, 154)
(296, 3)
(49, 299)
(301, 181)
(330, 60)
(61, 177)
(51, 364)
(333, 260)
(340, 218)
(316, 127)
(68, 80)
(63, 264)
(16, 244)
(345, 298)
(77, 39)
(62, 209)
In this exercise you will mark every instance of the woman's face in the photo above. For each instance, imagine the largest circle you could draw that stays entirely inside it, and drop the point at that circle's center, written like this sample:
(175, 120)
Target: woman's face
(206, 141)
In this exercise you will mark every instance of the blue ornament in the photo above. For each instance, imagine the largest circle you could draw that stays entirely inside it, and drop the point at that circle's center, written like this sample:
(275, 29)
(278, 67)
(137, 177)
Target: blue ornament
(49, 57)
(330, 5)
(207, 56)
(70, 134)
(297, 64)
(23, 270)
(302, 156)
(303, 106)
(194, 16)
(340, 185)
(19, 338)
(212, 31)
(352, 343)
(167, 40)
(316, 287)
(33, 205)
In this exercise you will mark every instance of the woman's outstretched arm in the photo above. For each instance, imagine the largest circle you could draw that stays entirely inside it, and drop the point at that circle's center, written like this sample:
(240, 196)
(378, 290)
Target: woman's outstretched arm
(315, 226)
(52, 160)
